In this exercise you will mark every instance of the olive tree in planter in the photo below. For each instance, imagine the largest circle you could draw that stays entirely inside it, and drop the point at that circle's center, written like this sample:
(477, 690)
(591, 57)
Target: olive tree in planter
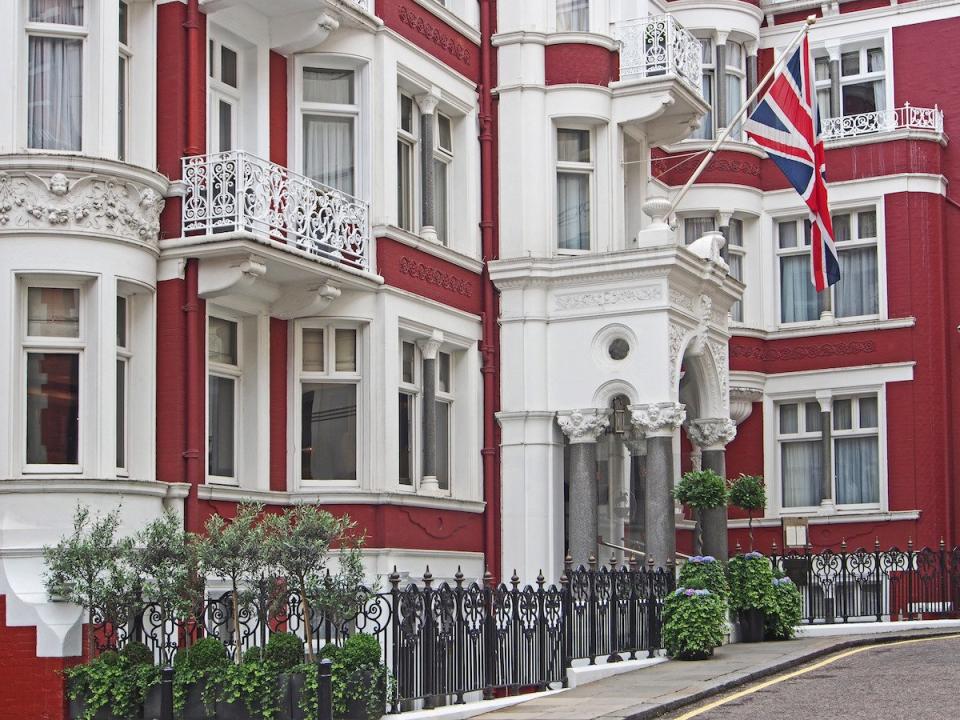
(706, 492)
(234, 551)
(748, 493)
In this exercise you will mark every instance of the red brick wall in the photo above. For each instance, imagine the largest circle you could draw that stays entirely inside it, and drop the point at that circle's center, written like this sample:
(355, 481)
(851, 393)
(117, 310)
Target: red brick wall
(580, 63)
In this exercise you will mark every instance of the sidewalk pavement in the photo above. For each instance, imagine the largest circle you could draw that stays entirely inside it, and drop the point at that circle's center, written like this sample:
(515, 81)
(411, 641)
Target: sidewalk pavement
(667, 686)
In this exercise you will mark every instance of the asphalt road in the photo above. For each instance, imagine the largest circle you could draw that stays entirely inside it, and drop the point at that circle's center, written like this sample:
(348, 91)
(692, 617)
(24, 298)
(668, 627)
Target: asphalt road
(910, 681)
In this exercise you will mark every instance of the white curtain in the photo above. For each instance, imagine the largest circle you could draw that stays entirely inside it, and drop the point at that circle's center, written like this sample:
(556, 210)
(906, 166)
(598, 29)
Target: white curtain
(857, 293)
(328, 151)
(801, 472)
(54, 88)
(573, 15)
(705, 131)
(858, 470)
(61, 12)
(573, 211)
(798, 297)
(695, 227)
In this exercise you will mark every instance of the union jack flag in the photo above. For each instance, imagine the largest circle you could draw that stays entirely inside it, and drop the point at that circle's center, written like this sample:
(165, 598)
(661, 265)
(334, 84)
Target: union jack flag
(786, 124)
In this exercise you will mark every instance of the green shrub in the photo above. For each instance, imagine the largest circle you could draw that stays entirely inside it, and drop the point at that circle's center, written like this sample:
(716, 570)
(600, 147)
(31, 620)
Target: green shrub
(749, 493)
(206, 654)
(284, 650)
(254, 684)
(113, 682)
(751, 583)
(328, 652)
(360, 650)
(701, 489)
(136, 653)
(787, 609)
(253, 655)
(704, 572)
(694, 621)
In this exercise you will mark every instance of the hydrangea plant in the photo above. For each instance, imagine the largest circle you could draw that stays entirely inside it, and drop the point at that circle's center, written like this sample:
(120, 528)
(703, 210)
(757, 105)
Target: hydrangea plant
(751, 583)
(694, 621)
(705, 572)
(787, 609)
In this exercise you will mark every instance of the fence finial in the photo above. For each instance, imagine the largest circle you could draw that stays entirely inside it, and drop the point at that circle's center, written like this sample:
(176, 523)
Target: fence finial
(427, 577)
(540, 579)
(942, 544)
(739, 548)
(458, 578)
(876, 544)
(592, 562)
(773, 548)
(487, 577)
(515, 579)
(843, 545)
(394, 578)
(568, 560)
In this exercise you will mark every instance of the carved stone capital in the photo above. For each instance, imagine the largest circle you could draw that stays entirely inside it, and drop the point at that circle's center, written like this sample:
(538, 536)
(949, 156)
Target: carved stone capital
(711, 433)
(427, 102)
(430, 346)
(584, 426)
(658, 419)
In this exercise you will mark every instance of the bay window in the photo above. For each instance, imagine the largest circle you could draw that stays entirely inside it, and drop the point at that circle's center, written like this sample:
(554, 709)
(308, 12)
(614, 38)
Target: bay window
(329, 378)
(223, 398)
(574, 181)
(573, 15)
(861, 83)
(53, 346)
(330, 110)
(56, 34)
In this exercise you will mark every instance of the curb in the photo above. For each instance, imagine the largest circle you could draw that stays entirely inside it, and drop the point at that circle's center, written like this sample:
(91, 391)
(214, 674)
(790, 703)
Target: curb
(776, 669)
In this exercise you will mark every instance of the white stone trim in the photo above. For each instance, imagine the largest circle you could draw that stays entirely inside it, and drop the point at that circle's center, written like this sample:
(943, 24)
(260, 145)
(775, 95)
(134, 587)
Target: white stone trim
(837, 518)
(338, 497)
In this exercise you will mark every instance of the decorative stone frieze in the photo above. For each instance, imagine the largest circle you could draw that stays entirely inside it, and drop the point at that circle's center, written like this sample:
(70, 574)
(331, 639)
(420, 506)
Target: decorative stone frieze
(97, 203)
(584, 426)
(653, 419)
(711, 433)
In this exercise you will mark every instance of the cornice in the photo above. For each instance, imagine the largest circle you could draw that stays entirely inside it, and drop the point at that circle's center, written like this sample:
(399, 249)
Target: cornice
(740, 6)
(834, 328)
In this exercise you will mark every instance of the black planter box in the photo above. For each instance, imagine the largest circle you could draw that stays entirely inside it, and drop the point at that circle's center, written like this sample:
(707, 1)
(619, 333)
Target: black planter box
(752, 624)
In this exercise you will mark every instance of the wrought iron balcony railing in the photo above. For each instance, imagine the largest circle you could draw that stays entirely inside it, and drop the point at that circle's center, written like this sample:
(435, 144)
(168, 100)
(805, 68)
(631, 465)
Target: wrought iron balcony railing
(656, 46)
(237, 191)
(907, 117)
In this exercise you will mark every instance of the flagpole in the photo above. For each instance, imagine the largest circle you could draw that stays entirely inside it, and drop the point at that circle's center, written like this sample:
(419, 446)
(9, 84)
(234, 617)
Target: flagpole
(781, 61)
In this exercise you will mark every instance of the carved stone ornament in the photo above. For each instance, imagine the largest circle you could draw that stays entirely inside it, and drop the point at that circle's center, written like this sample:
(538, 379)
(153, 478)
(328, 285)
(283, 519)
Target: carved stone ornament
(658, 418)
(741, 402)
(584, 426)
(96, 204)
(711, 433)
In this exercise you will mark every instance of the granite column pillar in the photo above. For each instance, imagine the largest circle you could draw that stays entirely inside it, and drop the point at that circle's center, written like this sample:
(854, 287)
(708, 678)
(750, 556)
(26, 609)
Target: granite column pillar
(583, 428)
(712, 435)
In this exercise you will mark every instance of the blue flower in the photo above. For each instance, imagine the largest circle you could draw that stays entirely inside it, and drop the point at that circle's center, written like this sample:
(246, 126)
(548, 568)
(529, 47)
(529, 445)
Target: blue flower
(753, 555)
(703, 559)
(782, 581)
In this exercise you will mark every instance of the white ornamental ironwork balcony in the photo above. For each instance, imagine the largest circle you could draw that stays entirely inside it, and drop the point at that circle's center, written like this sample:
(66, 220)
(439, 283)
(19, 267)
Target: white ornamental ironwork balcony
(659, 46)
(236, 191)
(907, 117)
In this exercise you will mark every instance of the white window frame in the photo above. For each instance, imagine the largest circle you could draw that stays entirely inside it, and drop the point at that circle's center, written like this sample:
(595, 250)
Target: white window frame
(853, 432)
(414, 389)
(862, 48)
(802, 248)
(447, 397)
(739, 72)
(580, 168)
(330, 375)
(856, 242)
(444, 156)
(124, 58)
(124, 358)
(356, 111)
(219, 91)
(234, 372)
(67, 32)
(67, 346)
(412, 140)
(708, 125)
(739, 251)
(557, 11)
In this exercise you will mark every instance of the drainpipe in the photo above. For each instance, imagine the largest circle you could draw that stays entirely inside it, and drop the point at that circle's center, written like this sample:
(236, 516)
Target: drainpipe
(195, 401)
(490, 343)
(196, 80)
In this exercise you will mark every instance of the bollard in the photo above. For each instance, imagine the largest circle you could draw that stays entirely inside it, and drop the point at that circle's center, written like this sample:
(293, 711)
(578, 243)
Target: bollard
(166, 693)
(324, 690)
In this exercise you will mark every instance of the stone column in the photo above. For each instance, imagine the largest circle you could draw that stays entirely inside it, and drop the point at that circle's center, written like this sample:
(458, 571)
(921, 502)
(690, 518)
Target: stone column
(826, 469)
(637, 445)
(834, 54)
(659, 422)
(750, 48)
(428, 107)
(720, 79)
(429, 349)
(583, 428)
(712, 435)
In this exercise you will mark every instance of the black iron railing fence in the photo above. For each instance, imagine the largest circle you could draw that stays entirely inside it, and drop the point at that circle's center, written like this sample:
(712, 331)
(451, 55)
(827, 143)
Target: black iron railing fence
(443, 640)
(874, 585)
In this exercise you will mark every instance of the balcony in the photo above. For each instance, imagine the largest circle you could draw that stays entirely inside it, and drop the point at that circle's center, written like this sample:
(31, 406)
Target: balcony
(238, 192)
(658, 46)
(908, 117)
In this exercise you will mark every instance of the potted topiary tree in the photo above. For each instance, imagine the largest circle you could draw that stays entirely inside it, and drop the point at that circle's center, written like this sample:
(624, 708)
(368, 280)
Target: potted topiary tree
(751, 593)
(748, 493)
(706, 492)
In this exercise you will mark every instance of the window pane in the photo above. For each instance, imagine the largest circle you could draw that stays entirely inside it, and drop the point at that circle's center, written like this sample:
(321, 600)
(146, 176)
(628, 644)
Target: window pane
(573, 211)
(857, 293)
(735, 233)
(824, 103)
(346, 350)
(443, 371)
(328, 151)
(328, 86)
(443, 445)
(787, 234)
(53, 312)
(404, 185)
(406, 113)
(841, 227)
(440, 202)
(861, 98)
(734, 97)
(842, 415)
(54, 90)
(407, 362)
(734, 55)
(62, 12)
(220, 426)
(228, 66)
(812, 417)
(867, 224)
(573, 15)
(806, 233)
(875, 60)
(53, 408)
(821, 68)
(798, 297)
(121, 413)
(121, 321)
(329, 431)
(858, 470)
(222, 341)
(573, 145)
(802, 469)
(225, 126)
(406, 439)
(123, 18)
(122, 108)
(313, 360)
(735, 262)
(445, 133)
(696, 227)
(850, 63)
(705, 129)
(788, 419)
(868, 412)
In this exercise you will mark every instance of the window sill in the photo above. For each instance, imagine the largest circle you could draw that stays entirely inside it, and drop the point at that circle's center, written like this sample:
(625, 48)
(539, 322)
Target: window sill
(834, 327)
(840, 516)
(337, 496)
(739, 146)
(443, 252)
(81, 486)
